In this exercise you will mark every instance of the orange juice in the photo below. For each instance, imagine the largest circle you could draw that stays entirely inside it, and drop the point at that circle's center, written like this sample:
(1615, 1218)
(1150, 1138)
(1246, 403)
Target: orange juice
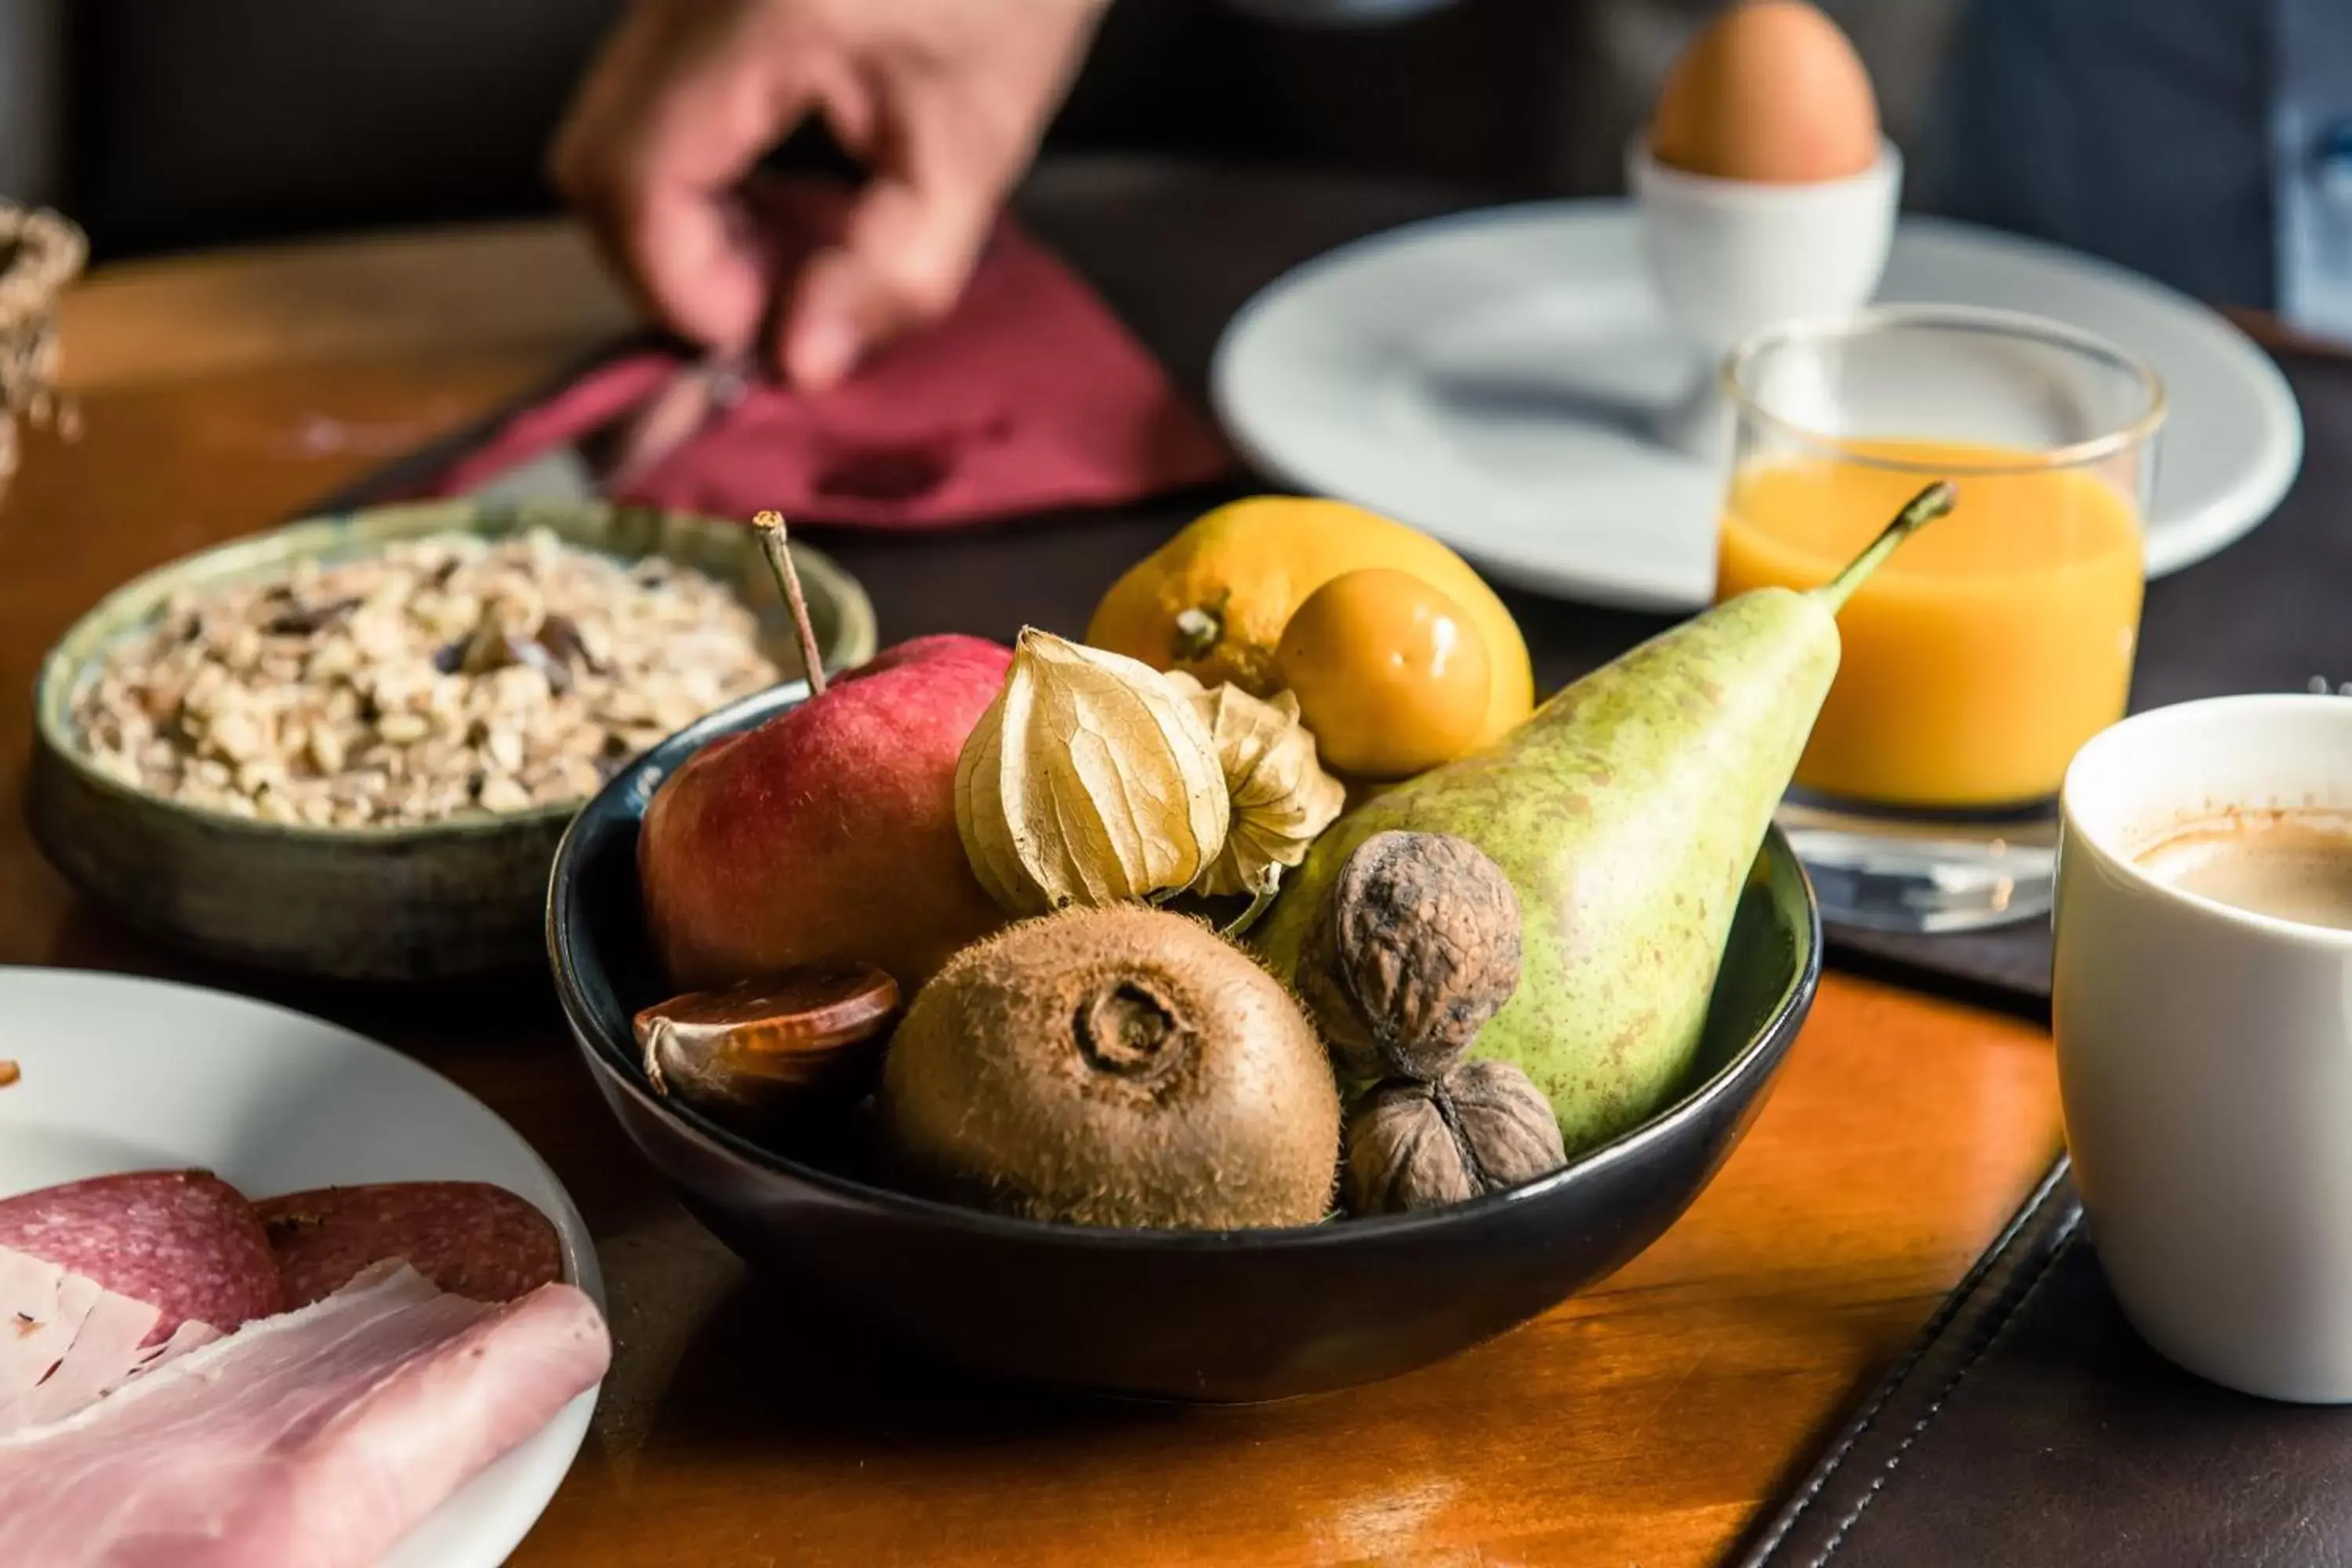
(1992, 644)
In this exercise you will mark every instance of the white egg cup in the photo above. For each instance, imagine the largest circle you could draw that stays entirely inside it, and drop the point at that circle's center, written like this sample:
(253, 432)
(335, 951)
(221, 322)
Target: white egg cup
(1730, 258)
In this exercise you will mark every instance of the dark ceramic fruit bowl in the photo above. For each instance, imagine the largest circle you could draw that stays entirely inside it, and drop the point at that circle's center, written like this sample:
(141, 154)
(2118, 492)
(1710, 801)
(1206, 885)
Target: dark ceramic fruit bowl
(1227, 1316)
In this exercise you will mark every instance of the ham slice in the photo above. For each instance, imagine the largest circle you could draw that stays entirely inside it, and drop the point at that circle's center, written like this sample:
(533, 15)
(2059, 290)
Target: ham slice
(66, 1340)
(314, 1439)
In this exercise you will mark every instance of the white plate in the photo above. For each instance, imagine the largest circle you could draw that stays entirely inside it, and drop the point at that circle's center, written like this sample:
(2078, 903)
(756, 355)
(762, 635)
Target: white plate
(123, 1074)
(1487, 378)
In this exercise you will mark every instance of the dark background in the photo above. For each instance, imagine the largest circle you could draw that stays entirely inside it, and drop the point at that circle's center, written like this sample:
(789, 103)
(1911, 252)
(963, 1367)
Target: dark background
(198, 123)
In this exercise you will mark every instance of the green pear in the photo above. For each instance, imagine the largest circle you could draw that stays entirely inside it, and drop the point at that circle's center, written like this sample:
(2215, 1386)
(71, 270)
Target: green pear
(1626, 811)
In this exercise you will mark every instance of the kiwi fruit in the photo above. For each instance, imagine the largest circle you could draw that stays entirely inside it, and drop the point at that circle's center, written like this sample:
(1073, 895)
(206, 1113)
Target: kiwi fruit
(1113, 1066)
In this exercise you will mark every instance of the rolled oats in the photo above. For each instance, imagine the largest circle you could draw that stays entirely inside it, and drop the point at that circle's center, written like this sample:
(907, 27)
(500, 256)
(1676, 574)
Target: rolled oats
(444, 676)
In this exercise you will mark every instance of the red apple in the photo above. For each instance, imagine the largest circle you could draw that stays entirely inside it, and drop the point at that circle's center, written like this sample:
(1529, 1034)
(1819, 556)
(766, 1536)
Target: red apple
(828, 834)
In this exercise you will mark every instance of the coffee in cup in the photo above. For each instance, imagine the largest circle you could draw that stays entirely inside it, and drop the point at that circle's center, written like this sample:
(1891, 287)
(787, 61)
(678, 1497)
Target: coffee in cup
(2288, 864)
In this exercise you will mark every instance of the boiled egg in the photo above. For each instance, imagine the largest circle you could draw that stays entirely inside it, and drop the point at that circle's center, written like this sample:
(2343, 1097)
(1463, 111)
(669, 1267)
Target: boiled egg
(1771, 91)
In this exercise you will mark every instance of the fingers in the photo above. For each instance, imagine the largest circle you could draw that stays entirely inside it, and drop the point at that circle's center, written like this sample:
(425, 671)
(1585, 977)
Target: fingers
(671, 119)
(901, 263)
(946, 139)
(690, 257)
(943, 99)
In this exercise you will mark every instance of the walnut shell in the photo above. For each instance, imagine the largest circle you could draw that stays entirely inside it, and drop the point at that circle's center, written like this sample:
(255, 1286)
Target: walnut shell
(1482, 1128)
(1416, 946)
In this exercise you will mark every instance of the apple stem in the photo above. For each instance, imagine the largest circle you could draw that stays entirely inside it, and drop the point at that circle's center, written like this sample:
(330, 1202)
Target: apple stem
(774, 546)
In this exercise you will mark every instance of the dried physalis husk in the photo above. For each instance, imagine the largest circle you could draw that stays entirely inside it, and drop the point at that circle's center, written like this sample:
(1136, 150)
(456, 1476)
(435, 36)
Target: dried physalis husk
(1090, 780)
(1482, 1128)
(1281, 796)
(1413, 950)
(760, 1053)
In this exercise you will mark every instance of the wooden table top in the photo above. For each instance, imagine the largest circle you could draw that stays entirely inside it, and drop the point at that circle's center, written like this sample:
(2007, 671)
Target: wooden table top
(1645, 1422)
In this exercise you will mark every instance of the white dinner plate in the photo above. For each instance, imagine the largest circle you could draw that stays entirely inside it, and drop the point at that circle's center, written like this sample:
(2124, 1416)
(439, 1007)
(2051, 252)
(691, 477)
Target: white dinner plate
(121, 1075)
(1490, 379)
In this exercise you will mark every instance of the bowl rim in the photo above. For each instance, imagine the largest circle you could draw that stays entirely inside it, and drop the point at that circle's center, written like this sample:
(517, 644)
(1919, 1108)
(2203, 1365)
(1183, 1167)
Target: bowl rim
(644, 774)
(60, 669)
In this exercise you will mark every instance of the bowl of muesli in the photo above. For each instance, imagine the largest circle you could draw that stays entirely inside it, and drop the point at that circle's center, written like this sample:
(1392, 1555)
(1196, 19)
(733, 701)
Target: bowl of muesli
(348, 747)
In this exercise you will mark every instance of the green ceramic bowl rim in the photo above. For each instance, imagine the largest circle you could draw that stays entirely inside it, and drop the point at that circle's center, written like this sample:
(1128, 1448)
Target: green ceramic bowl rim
(324, 536)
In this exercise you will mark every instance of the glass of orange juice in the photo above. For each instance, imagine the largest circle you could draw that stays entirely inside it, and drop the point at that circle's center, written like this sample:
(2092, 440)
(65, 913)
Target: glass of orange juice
(1996, 641)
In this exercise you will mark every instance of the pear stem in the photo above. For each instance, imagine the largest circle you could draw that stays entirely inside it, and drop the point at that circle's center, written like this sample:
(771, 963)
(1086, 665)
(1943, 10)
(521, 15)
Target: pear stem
(775, 546)
(1920, 510)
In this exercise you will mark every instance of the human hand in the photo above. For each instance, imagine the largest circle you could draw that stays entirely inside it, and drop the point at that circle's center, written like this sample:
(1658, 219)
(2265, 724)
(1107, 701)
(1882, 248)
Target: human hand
(943, 100)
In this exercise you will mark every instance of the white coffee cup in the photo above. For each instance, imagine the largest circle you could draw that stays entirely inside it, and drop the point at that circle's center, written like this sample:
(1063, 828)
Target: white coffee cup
(2205, 1051)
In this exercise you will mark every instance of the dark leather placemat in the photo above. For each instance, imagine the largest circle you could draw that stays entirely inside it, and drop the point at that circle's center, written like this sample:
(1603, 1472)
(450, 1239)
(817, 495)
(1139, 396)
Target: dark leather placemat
(2007, 967)
(2029, 1426)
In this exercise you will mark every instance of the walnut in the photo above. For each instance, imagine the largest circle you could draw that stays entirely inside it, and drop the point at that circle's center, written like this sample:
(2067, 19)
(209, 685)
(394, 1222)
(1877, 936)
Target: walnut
(1480, 1128)
(1415, 947)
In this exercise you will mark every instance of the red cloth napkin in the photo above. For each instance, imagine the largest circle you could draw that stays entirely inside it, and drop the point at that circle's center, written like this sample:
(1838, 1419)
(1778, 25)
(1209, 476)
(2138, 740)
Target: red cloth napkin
(1030, 396)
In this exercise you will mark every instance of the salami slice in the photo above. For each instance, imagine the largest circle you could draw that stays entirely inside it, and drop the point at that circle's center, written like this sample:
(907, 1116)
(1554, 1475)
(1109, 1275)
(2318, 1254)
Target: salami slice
(470, 1238)
(184, 1241)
